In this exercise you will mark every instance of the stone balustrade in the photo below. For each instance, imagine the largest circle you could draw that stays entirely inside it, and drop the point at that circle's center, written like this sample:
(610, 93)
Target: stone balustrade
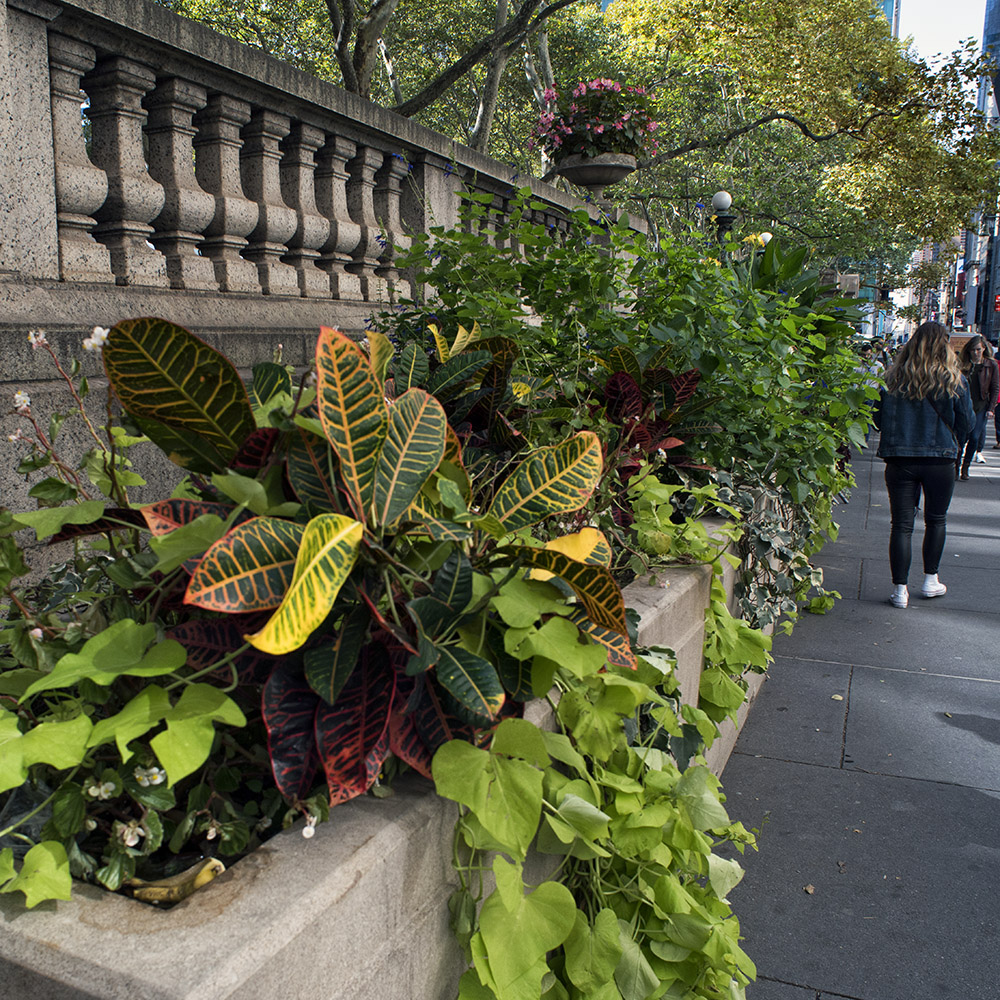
(152, 166)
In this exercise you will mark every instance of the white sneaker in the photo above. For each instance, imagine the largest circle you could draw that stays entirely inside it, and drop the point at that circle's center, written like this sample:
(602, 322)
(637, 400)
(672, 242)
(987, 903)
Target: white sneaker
(899, 600)
(978, 457)
(934, 590)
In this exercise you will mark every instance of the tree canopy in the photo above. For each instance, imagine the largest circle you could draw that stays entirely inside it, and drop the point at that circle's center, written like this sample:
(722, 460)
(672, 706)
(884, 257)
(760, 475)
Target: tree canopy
(819, 122)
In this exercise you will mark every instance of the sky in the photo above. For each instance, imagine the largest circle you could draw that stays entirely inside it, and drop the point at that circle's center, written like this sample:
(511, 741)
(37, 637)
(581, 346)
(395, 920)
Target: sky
(939, 25)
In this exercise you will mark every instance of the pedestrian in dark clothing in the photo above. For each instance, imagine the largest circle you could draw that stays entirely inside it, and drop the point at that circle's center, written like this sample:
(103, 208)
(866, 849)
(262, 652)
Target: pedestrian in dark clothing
(923, 414)
(981, 370)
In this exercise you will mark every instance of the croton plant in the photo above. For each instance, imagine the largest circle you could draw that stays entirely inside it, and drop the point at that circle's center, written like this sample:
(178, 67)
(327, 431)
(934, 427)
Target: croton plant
(328, 590)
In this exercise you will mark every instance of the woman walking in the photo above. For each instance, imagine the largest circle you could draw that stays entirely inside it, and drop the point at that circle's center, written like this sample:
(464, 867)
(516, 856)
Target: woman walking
(924, 413)
(980, 369)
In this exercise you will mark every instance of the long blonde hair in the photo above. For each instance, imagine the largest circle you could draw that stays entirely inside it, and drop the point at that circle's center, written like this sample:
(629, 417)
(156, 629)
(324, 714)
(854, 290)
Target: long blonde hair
(926, 365)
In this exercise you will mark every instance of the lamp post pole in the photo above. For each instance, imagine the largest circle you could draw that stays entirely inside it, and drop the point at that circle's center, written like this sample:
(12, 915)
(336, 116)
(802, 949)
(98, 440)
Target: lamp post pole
(722, 202)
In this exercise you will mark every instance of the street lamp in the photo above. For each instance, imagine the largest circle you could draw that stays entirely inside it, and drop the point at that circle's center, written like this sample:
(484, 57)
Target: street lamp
(721, 203)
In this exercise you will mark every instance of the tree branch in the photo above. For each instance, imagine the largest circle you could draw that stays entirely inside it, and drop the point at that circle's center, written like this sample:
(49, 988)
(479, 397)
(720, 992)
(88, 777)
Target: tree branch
(342, 19)
(513, 33)
(775, 116)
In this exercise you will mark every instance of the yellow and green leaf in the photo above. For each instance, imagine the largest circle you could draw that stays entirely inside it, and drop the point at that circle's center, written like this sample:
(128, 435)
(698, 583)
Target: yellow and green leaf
(413, 449)
(599, 594)
(463, 338)
(587, 546)
(173, 382)
(353, 413)
(249, 569)
(471, 681)
(326, 557)
(443, 351)
(380, 351)
(554, 480)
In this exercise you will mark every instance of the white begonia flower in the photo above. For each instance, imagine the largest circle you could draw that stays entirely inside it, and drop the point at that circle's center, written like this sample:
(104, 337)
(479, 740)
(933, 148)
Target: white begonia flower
(36, 633)
(103, 790)
(22, 401)
(309, 830)
(146, 776)
(129, 833)
(37, 339)
(661, 453)
(96, 340)
(18, 435)
(212, 832)
(90, 824)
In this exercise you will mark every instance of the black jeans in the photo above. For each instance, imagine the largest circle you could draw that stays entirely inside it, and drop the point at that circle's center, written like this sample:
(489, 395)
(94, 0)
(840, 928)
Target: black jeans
(903, 478)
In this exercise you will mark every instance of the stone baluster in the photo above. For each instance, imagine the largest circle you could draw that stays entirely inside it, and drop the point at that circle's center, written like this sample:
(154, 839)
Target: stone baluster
(81, 187)
(345, 234)
(276, 222)
(187, 209)
(499, 215)
(116, 88)
(298, 187)
(388, 186)
(361, 204)
(217, 168)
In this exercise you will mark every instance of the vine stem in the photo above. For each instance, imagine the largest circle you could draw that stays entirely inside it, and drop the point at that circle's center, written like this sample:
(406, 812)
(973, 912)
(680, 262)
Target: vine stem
(39, 807)
(227, 660)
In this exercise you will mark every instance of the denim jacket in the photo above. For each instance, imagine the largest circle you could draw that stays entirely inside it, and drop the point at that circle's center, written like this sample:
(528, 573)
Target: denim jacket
(917, 428)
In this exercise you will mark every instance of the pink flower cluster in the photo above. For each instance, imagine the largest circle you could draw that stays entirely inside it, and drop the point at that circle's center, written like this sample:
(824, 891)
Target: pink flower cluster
(603, 116)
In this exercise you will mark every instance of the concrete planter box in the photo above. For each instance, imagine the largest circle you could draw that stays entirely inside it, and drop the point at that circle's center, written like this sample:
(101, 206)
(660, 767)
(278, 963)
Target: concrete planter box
(357, 912)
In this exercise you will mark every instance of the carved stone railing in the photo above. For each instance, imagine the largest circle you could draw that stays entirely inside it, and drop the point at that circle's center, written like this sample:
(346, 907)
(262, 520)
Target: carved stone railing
(153, 166)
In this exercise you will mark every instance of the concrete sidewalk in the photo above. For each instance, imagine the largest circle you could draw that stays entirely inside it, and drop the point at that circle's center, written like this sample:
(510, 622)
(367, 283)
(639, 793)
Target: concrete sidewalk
(870, 766)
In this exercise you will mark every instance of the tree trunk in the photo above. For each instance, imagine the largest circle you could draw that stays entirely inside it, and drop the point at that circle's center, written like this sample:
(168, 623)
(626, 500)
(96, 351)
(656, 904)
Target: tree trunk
(479, 138)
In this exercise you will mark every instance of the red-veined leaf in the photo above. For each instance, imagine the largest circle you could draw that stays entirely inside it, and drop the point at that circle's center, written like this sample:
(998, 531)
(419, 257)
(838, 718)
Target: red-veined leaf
(255, 452)
(165, 516)
(248, 569)
(289, 707)
(352, 736)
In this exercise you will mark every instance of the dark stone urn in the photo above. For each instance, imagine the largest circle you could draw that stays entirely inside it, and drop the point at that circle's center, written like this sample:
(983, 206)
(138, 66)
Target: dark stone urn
(595, 173)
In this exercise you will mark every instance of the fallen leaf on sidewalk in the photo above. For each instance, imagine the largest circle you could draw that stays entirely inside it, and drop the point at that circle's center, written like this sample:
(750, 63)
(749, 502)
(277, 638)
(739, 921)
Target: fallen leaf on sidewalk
(947, 715)
(837, 697)
(809, 888)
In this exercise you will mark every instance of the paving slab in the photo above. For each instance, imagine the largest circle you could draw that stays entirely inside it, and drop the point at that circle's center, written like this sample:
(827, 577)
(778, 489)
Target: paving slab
(795, 716)
(903, 877)
(923, 725)
(842, 573)
(960, 643)
(770, 989)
